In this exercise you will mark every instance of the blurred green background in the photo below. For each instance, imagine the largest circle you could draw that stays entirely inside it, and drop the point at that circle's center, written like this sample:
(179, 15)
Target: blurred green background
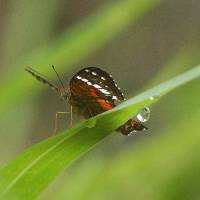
(141, 43)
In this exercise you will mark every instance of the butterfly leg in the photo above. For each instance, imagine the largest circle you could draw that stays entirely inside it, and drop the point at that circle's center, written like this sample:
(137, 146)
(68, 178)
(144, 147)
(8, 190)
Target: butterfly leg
(71, 115)
(56, 120)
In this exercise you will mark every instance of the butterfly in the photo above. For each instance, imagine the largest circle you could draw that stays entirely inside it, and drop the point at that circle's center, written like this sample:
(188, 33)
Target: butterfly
(93, 91)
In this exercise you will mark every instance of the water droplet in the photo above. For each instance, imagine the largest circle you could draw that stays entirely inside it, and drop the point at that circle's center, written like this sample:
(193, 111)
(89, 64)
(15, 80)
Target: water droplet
(90, 123)
(151, 98)
(154, 97)
(143, 115)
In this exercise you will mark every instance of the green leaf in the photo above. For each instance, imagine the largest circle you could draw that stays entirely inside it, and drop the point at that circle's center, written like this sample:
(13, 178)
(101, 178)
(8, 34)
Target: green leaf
(73, 45)
(29, 174)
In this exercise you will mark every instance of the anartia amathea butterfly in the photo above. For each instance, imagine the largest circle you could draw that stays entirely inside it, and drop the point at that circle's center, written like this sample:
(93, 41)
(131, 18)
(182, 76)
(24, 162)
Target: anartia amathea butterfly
(93, 91)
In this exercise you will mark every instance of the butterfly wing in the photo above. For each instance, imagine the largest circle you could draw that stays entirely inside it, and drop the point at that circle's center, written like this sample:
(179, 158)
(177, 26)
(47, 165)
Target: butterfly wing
(131, 126)
(94, 91)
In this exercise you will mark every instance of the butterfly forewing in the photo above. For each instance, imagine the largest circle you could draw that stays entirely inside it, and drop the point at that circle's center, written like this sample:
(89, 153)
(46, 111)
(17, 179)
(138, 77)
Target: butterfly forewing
(94, 90)
(101, 81)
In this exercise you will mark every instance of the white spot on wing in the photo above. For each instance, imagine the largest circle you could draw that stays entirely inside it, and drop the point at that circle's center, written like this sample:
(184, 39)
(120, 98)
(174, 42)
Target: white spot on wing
(89, 83)
(97, 86)
(94, 73)
(103, 78)
(104, 91)
(114, 97)
(87, 70)
(78, 77)
(84, 80)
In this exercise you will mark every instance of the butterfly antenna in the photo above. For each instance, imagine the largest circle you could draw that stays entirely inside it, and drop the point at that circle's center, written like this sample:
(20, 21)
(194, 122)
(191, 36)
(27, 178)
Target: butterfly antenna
(41, 78)
(58, 76)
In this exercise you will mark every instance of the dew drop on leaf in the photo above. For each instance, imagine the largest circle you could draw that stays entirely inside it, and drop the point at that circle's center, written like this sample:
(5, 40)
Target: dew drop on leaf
(152, 98)
(143, 115)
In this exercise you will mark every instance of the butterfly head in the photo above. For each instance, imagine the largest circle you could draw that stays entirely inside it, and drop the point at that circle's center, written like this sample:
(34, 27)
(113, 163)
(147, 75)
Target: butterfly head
(64, 93)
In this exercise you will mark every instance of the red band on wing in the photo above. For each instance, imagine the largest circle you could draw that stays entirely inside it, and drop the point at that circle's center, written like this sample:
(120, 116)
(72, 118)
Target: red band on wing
(104, 104)
(93, 92)
(101, 102)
